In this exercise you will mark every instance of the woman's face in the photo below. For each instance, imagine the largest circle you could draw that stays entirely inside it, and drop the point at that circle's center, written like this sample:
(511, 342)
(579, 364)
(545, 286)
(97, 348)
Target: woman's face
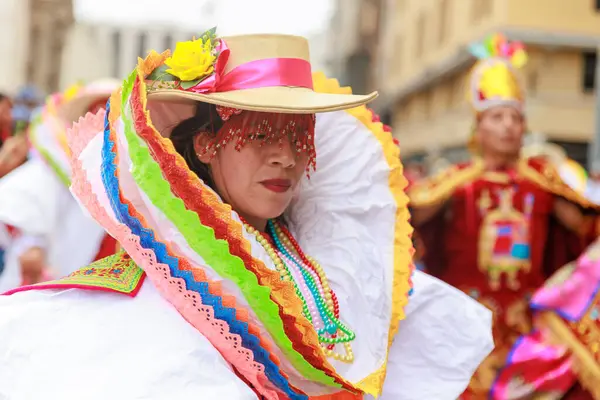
(257, 180)
(500, 130)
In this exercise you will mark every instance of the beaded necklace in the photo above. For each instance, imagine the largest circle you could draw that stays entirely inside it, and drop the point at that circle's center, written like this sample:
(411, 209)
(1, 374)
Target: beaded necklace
(319, 303)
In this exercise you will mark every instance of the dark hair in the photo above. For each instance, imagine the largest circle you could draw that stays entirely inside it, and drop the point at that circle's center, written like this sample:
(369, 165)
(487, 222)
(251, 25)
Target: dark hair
(205, 119)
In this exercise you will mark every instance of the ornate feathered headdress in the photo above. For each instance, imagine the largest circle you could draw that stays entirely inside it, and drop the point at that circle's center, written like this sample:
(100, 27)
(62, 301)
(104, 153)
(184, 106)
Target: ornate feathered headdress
(494, 79)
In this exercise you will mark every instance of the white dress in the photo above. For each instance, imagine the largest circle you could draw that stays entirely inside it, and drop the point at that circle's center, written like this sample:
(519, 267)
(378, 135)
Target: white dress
(110, 346)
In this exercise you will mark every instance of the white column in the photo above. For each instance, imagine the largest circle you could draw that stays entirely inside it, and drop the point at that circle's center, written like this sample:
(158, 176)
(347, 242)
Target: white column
(86, 55)
(14, 43)
(129, 45)
(156, 40)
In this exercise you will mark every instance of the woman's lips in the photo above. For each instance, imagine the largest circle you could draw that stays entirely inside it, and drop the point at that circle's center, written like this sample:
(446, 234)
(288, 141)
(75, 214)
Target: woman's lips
(277, 185)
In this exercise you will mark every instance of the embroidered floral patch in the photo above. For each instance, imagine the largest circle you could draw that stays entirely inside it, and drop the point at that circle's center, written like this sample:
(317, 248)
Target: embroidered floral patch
(117, 273)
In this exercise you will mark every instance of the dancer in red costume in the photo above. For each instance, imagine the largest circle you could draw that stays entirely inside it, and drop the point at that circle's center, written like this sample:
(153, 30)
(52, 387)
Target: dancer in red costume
(500, 224)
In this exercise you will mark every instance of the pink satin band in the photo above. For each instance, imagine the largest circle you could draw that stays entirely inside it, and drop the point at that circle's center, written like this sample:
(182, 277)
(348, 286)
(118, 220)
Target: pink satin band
(269, 72)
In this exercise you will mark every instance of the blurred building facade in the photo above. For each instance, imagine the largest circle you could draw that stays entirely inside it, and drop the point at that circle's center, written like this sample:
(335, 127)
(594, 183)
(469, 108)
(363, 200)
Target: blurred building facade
(32, 36)
(421, 63)
(94, 51)
(354, 39)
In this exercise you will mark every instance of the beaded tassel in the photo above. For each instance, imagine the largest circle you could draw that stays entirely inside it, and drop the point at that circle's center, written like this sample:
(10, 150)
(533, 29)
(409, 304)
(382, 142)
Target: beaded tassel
(242, 127)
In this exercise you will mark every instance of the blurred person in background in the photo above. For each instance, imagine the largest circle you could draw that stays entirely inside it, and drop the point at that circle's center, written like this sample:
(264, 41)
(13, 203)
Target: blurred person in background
(15, 147)
(5, 118)
(13, 151)
(566, 308)
(46, 236)
(25, 101)
(199, 169)
(497, 227)
(414, 172)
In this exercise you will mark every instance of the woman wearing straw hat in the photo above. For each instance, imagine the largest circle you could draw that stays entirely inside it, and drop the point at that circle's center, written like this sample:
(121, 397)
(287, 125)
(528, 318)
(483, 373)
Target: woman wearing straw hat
(501, 223)
(267, 247)
(46, 236)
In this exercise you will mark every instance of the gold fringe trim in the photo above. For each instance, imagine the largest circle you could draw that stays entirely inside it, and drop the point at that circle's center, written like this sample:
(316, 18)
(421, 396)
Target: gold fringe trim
(441, 187)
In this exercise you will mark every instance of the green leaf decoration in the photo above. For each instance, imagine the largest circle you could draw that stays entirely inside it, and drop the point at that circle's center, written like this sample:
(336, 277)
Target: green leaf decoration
(212, 31)
(210, 35)
(190, 84)
(161, 74)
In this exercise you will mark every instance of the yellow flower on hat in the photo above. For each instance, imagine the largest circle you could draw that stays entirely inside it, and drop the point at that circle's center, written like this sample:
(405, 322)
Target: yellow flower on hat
(72, 91)
(192, 60)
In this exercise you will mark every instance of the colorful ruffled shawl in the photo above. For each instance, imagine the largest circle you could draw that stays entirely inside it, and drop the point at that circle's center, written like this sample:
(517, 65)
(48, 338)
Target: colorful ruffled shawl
(195, 250)
(47, 136)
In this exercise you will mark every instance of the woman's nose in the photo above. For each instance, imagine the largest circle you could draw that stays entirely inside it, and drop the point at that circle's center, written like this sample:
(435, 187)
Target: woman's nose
(282, 153)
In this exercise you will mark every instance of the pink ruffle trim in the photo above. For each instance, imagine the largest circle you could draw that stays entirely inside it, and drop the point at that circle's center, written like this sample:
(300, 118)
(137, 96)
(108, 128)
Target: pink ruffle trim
(188, 303)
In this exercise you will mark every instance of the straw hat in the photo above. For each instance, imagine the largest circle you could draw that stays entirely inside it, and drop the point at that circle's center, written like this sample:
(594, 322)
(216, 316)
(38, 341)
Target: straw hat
(268, 72)
(71, 110)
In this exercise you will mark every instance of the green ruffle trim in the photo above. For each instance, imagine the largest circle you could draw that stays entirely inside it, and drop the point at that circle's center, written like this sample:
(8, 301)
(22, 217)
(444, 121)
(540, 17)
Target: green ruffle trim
(46, 155)
(148, 176)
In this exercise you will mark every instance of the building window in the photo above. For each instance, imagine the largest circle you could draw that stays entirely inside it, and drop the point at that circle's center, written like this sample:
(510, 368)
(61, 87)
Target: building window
(420, 36)
(369, 19)
(488, 6)
(428, 104)
(589, 71)
(386, 117)
(448, 95)
(481, 9)
(459, 86)
(575, 151)
(167, 41)
(358, 71)
(116, 45)
(445, 18)
(398, 54)
(532, 84)
(142, 45)
(401, 5)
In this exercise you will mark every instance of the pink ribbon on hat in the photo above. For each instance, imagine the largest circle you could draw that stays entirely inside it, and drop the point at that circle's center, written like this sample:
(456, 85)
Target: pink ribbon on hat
(267, 72)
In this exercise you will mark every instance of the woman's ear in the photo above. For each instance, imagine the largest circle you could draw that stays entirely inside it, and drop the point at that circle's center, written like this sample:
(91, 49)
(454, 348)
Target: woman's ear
(202, 147)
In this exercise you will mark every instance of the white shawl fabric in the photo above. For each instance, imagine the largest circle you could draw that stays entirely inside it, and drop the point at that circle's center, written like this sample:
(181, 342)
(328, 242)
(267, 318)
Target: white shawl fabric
(141, 348)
